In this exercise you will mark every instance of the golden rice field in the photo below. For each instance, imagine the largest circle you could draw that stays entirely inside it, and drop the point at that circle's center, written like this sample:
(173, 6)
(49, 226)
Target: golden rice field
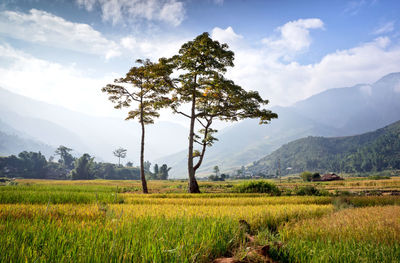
(104, 221)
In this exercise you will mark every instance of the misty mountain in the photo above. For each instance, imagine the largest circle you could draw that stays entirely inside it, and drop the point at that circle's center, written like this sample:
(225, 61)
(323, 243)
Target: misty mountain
(13, 142)
(373, 151)
(98, 136)
(357, 109)
(335, 112)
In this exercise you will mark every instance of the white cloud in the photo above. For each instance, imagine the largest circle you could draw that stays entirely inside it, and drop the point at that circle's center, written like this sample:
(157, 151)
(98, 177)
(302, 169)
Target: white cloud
(285, 83)
(52, 82)
(293, 37)
(152, 48)
(120, 11)
(50, 30)
(383, 29)
(169, 12)
(225, 35)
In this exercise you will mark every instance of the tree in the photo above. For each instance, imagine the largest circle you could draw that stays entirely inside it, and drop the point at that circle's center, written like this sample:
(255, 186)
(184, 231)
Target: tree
(216, 170)
(143, 86)
(164, 169)
(202, 64)
(66, 159)
(129, 164)
(306, 176)
(83, 168)
(156, 171)
(120, 153)
(32, 165)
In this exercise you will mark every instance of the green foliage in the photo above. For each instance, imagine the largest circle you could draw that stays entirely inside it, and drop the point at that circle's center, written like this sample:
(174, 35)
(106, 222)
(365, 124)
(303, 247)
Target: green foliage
(306, 176)
(83, 168)
(257, 187)
(378, 177)
(309, 190)
(147, 83)
(27, 165)
(160, 173)
(66, 159)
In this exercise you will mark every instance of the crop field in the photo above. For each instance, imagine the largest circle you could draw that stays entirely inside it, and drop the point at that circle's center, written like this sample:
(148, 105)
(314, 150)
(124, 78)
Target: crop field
(109, 221)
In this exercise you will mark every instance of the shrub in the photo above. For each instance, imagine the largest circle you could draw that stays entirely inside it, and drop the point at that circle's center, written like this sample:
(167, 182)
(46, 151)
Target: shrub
(310, 190)
(306, 176)
(378, 177)
(258, 187)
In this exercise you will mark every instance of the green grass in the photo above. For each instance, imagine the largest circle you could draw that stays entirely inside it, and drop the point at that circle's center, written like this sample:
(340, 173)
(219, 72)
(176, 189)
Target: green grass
(141, 240)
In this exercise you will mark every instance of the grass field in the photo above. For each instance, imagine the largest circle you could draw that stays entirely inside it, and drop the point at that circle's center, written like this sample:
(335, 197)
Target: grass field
(109, 221)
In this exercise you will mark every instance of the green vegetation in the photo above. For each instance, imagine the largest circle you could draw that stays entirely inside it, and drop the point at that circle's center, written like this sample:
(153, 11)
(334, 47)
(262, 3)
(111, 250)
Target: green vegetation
(258, 187)
(369, 152)
(309, 190)
(148, 239)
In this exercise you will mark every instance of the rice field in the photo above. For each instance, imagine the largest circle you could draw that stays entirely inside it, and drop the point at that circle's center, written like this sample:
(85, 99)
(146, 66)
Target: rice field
(108, 221)
(353, 235)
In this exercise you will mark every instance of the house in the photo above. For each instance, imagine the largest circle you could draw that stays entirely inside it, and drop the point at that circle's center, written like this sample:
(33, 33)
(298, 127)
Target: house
(331, 177)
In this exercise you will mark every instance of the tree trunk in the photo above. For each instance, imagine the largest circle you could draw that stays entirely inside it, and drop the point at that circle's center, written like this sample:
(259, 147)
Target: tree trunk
(142, 174)
(193, 186)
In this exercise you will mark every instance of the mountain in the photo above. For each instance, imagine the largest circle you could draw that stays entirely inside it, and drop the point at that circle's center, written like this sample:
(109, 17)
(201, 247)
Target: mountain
(358, 109)
(335, 112)
(98, 136)
(14, 142)
(372, 151)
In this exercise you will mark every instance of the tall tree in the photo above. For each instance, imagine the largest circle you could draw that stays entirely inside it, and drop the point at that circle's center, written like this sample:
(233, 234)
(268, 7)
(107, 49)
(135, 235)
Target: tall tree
(202, 64)
(66, 158)
(164, 169)
(156, 171)
(142, 88)
(216, 170)
(120, 153)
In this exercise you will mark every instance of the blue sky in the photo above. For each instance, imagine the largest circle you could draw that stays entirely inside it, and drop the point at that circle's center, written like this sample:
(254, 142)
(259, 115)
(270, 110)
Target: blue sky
(63, 52)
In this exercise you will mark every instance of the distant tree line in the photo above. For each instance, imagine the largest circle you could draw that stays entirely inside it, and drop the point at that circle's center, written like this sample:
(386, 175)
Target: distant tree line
(35, 165)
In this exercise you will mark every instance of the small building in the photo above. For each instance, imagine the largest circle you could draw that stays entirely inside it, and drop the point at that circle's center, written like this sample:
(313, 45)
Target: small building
(331, 177)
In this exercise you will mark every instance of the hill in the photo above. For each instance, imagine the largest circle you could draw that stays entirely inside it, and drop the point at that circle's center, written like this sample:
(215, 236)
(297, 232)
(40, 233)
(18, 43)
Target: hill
(14, 142)
(372, 151)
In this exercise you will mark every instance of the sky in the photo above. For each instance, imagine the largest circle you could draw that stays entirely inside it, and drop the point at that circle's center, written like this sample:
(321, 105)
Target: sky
(63, 52)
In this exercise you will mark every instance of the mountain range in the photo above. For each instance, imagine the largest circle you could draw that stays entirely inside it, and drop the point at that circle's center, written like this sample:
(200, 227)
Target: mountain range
(335, 112)
(53, 125)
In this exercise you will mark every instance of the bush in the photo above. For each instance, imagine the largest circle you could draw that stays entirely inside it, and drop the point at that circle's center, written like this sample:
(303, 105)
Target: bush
(310, 190)
(378, 177)
(257, 187)
(306, 176)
